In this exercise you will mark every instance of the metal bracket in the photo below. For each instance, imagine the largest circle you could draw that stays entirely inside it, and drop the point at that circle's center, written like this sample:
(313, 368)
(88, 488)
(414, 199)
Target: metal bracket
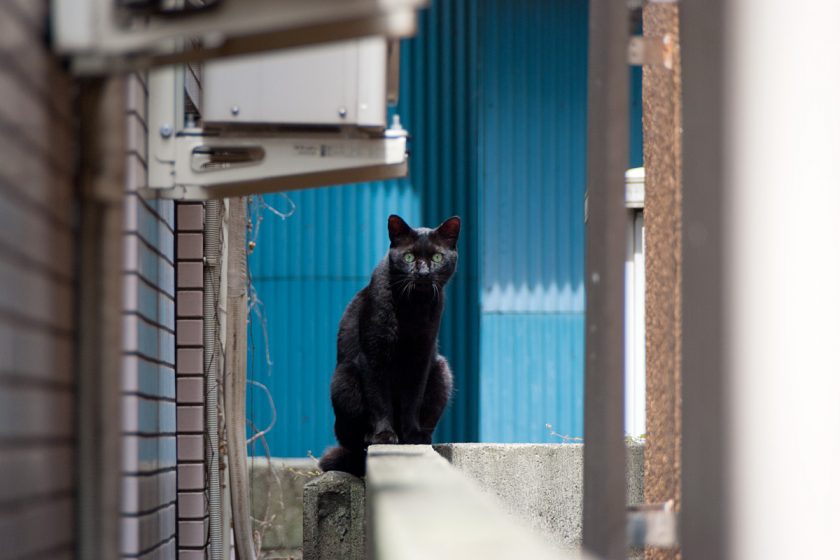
(652, 525)
(651, 51)
(217, 165)
(103, 36)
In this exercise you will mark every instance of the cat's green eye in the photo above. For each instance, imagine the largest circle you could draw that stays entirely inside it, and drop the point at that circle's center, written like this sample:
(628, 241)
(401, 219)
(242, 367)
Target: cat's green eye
(437, 257)
(408, 257)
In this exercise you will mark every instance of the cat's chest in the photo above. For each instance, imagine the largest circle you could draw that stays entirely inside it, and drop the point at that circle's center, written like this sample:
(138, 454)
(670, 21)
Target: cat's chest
(414, 340)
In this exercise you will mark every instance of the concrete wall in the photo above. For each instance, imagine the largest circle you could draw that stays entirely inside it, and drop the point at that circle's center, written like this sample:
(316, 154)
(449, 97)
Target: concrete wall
(37, 321)
(541, 484)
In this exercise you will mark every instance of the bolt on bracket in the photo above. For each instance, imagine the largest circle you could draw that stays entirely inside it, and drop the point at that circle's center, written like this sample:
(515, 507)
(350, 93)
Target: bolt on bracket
(651, 51)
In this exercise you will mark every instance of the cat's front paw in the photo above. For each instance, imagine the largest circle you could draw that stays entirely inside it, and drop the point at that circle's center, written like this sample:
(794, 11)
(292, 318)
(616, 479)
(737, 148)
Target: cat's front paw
(383, 437)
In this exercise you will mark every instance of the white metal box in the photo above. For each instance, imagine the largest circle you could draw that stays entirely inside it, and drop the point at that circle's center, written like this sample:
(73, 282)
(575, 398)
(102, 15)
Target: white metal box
(342, 83)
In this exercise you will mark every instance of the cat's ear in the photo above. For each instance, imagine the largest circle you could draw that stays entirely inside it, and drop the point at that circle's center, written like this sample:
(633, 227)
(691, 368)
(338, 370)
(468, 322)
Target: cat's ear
(397, 227)
(449, 230)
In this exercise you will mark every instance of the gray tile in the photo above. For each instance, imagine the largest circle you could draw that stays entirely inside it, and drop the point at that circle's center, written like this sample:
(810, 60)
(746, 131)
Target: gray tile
(190, 303)
(190, 246)
(190, 447)
(192, 505)
(190, 275)
(191, 390)
(192, 533)
(191, 477)
(192, 554)
(189, 332)
(190, 361)
(190, 216)
(190, 419)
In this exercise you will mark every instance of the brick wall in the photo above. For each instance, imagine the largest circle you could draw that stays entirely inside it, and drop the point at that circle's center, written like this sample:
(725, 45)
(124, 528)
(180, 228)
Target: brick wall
(37, 255)
(192, 497)
(149, 492)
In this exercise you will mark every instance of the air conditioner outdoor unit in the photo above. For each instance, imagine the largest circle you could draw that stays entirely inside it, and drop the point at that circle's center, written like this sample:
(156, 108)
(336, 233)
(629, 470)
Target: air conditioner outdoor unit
(333, 85)
(293, 119)
(103, 36)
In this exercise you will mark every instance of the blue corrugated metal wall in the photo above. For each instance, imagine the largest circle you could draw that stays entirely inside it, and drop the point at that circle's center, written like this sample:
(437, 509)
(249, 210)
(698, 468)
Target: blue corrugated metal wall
(438, 99)
(532, 163)
(494, 96)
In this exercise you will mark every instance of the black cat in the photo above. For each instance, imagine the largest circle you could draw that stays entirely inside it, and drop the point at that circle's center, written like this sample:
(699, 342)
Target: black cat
(390, 385)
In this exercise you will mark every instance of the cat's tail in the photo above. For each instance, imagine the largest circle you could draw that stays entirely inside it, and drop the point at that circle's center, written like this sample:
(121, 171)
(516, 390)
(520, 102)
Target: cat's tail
(343, 459)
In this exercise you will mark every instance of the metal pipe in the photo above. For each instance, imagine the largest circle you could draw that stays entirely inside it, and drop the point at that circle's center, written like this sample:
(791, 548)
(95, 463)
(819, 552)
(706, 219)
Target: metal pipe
(212, 354)
(604, 486)
(236, 350)
(703, 518)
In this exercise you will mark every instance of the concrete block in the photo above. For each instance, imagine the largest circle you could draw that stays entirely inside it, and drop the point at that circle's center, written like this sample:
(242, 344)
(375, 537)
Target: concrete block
(334, 518)
(541, 484)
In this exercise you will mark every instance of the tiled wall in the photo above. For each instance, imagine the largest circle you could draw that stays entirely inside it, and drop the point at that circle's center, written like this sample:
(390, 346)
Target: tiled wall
(192, 505)
(149, 493)
(37, 315)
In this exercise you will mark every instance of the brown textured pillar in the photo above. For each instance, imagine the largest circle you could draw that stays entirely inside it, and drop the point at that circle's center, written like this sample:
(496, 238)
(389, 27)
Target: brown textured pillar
(662, 108)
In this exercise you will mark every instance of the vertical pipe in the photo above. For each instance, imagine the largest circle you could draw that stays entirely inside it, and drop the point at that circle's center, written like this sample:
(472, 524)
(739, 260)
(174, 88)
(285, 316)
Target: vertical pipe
(703, 522)
(604, 500)
(212, 353)
(100, 319)
(236, 350)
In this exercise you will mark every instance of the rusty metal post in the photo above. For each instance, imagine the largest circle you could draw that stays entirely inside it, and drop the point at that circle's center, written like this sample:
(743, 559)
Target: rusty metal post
(604, 502)
(662, 116)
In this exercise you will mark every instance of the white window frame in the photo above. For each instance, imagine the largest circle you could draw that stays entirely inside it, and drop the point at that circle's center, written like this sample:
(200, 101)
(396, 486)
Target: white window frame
(634, 306)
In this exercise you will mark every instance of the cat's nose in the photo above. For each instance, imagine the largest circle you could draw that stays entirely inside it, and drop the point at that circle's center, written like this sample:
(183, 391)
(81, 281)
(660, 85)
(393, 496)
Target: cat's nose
(423, 269)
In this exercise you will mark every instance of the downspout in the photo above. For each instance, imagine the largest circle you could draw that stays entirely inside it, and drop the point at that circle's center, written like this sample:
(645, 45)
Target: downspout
(235, 379)
(212, 353)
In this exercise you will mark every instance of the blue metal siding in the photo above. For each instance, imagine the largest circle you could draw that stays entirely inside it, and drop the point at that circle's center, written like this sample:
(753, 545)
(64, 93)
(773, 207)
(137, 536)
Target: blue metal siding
(440, 109)
(531, 375)
(636, 145)
(532, 165)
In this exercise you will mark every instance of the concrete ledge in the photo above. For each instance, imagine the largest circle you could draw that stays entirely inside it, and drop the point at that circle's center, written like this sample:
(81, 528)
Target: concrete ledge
(334, 518)
(419, 506)
(541, 484)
